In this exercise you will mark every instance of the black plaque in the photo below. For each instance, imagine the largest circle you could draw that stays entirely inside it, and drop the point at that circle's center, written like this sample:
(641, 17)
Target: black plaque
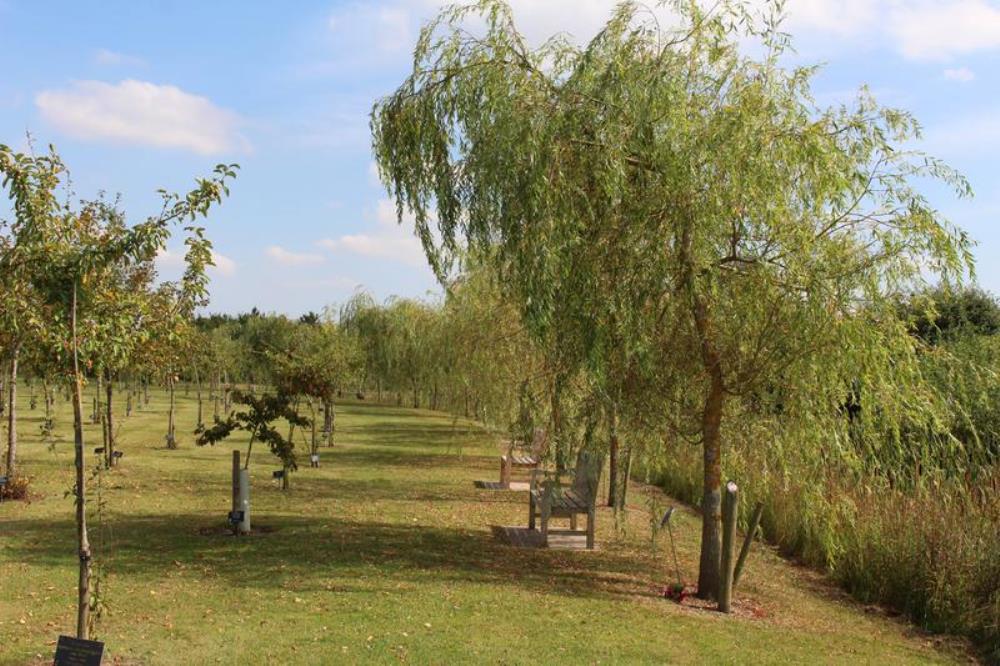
(78, 652)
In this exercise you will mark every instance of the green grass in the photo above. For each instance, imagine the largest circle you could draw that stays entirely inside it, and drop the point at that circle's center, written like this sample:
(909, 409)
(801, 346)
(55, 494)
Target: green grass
(385, 554)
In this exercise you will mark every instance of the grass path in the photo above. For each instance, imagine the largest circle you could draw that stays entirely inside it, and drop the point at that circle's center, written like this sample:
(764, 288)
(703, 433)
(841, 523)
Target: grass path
(384, 554)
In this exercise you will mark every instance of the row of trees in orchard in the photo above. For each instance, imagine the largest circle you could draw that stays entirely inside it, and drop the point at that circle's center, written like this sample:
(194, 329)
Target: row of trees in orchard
(698, 254)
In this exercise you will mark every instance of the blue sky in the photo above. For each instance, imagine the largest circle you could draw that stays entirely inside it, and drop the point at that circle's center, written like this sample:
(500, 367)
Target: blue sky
(142, 95)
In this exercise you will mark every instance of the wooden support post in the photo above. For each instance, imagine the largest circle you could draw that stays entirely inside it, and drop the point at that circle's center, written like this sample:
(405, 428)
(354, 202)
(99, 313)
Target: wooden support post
(751, 531)
(730, 503)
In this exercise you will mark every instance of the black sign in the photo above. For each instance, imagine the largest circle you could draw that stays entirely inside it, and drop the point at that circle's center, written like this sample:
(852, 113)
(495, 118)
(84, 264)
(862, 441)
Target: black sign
(236, 517)
(99, 449)
(278, 474)
(78, 652)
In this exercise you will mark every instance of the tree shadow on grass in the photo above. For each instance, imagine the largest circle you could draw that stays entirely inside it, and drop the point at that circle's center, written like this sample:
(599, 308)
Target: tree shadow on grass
(307, 553)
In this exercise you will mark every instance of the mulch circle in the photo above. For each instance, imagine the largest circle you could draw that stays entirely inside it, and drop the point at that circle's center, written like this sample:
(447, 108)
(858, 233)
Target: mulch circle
(227, 531)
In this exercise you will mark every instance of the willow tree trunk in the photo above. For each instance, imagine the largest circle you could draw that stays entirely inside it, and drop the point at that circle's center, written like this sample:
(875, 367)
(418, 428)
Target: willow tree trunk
(83, 543)
(711, 503)
(613, 455)
(110, 425)
(12, 416)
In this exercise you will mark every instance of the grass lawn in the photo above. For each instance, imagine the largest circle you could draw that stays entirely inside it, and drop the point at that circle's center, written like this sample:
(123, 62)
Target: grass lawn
(385, 554)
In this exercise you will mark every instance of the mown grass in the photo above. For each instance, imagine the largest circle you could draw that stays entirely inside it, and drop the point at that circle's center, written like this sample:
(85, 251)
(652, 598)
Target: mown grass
(385, 554)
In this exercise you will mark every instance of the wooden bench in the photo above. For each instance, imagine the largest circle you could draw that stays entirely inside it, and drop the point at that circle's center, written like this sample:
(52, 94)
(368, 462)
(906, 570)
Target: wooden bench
(522, 457)
(550, 498)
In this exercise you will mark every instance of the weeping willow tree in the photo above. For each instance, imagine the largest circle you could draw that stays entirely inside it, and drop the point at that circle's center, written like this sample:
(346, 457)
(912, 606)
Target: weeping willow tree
(684, 211)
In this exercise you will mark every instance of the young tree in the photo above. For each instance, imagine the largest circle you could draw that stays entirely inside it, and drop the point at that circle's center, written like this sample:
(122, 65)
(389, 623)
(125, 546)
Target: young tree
(754, 235)
(258, 421)
(70, 251)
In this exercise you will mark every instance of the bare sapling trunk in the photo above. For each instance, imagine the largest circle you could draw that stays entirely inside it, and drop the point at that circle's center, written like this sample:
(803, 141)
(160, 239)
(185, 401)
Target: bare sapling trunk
(109, 428)
(328, 422)
(12, 416)
(83, 543)
(314, 444)
(197, 378)
(171, 438)
(215, 398)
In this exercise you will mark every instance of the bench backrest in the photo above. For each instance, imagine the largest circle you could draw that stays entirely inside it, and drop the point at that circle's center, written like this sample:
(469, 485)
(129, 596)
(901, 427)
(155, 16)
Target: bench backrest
(587, 474)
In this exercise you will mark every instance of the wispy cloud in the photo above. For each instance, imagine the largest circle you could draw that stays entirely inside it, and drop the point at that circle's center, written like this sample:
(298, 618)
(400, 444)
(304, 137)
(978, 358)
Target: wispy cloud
(172, 261)
(110, 58)
(933, 30)
(962, 74)
(289, 258)
(142, 113)
(943, 29)
(389, 240)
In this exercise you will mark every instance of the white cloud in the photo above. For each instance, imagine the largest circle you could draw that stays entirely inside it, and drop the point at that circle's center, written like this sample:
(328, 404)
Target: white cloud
(916, 29)
(288, 258)
(943, 29)
(172, 262)
(142, 113)
(223, 264)
(111, 58)
(963, 74)
(390, 240)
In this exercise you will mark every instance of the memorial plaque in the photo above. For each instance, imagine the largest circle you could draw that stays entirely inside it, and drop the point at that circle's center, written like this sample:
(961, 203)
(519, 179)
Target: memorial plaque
(78, 652)
(278, 474)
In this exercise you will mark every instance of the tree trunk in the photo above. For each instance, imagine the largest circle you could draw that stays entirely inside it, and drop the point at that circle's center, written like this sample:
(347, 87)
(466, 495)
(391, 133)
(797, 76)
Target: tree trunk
(83, 543)
(314, 442)
(110, 426)
(215, 398)
(711, 503)
(12, 416)
(613, 462)
(171, 439)
(555, 400)
(329, 421)
(200, 424)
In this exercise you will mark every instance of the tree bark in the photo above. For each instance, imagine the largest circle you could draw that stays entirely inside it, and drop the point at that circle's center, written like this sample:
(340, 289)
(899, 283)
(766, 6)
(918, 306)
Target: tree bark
(83, 543)
(613, 462)
(711, 504)
(197, 378)
(12, 416)
(171, 439)
(109, 417)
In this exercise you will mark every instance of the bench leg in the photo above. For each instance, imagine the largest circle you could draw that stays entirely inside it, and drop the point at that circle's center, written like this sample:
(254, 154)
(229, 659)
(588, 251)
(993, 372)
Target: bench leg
(572, 522)
(545, 524)
(531, 511)
(590, 528)
(505, 471)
